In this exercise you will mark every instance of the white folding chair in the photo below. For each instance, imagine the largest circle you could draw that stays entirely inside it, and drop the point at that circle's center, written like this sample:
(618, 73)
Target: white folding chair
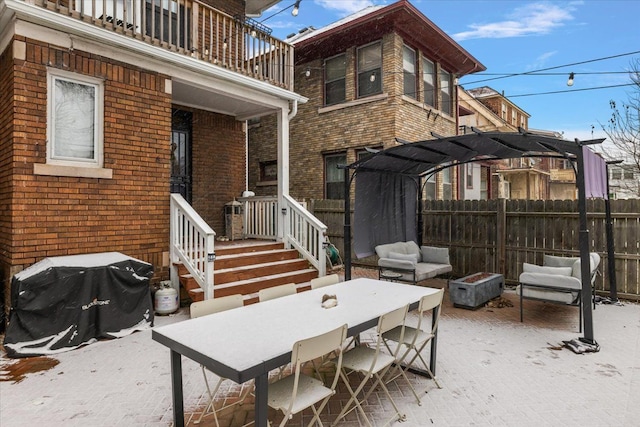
(203, 308)
(298, 391)
(320, 282)
(276, 292)
(371, 363)
(409, 339)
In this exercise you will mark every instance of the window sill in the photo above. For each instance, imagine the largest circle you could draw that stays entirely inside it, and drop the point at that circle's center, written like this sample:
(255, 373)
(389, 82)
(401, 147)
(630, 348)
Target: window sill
(266, 183)
(426, 107)
(71, 171)
(348, 104)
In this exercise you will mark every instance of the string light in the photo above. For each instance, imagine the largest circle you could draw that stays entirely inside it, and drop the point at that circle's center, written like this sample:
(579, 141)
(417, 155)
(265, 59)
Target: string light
(296, 8)
(570, 81)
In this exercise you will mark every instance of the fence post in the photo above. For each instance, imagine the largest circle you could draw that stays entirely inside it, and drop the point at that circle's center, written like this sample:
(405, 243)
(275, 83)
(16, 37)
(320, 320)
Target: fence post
(501, 235)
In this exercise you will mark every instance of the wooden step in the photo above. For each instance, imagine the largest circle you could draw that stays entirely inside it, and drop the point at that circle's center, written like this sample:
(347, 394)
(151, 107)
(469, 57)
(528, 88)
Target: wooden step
(251, 286)
(224, 262)
(257, 270)
(248, 248)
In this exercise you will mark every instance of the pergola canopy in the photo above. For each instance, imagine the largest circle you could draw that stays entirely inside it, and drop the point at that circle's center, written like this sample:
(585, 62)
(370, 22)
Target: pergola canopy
(415, 160)
(421, 157)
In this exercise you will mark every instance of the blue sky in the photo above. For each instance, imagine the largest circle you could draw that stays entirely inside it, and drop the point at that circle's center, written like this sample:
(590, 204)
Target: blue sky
(511, 37)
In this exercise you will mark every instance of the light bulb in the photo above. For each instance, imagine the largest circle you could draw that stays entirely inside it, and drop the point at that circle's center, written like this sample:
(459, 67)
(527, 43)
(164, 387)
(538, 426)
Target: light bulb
(372, 78)
(570, 81)
(308, 72)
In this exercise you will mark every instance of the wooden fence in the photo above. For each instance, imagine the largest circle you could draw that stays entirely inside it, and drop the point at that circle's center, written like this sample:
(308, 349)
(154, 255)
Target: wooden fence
(499, 235)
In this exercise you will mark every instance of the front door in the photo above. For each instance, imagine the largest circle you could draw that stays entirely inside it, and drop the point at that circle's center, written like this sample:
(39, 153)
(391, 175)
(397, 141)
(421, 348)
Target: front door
(181, 153)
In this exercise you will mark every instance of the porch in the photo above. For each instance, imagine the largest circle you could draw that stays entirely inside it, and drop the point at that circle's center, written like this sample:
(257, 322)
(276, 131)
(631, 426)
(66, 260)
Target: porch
(282, 243)
(190, 28)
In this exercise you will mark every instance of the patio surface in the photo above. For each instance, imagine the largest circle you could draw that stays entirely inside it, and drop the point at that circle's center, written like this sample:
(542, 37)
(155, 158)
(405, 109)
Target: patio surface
(495, 371)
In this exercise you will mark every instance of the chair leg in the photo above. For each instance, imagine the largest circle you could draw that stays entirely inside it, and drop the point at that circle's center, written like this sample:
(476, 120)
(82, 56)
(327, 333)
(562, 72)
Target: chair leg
(354, 398)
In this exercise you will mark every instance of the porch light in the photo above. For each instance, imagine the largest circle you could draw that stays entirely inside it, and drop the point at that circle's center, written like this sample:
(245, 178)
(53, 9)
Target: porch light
(253, 32)
(570, 81)
(296, 8)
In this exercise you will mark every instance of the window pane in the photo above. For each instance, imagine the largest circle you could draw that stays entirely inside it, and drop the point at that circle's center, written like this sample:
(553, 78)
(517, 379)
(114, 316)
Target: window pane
(74, 120)
(445, 91)
(409, 67)
(335, 92)
(369, 70)
(428, 70)
(334, 177)
(334, 80)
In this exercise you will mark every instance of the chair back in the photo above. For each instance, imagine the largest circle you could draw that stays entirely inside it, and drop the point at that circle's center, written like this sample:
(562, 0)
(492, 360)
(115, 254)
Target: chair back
(276, 292)
(429, 302)
(323, 281)
(315, 347)
(215, 305)
(392, 319)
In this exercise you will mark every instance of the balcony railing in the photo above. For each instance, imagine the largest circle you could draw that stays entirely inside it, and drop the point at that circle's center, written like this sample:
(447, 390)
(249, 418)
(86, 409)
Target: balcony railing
(191, 28)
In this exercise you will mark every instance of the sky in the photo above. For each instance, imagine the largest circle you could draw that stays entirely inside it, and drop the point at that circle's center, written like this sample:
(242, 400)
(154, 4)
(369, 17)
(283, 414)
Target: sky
(515, 37)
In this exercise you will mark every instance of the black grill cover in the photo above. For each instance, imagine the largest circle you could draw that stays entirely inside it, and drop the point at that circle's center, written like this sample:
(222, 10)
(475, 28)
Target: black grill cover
(61, 303)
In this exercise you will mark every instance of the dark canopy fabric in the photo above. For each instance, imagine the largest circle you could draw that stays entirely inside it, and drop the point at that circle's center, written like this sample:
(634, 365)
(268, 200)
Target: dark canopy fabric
(420, 158)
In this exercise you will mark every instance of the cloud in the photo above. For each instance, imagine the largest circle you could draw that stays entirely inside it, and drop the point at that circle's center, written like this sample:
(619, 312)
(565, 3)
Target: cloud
(531, 19)
(345, 7)
(541, 60)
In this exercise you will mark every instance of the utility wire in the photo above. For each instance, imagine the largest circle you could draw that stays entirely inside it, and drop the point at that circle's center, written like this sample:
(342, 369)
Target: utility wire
(554, 68)
(569, 90)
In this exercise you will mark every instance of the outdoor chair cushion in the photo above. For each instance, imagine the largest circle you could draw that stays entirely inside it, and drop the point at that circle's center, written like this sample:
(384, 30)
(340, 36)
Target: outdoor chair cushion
(431, 254)
(414, 258)
(532, 268)
(408, 258)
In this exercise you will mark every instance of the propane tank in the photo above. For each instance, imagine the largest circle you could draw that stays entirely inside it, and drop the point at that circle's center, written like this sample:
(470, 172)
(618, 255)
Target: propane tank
(166, 300)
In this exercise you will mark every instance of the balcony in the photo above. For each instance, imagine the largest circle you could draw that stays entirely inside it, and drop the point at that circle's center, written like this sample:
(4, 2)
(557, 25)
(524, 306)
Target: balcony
(190, 28)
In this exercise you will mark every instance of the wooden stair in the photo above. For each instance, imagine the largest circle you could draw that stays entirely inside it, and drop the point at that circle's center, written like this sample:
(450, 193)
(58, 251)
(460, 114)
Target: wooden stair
(247, 268)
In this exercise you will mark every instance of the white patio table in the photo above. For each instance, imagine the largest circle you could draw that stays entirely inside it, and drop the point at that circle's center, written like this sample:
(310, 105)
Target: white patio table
(248, 342)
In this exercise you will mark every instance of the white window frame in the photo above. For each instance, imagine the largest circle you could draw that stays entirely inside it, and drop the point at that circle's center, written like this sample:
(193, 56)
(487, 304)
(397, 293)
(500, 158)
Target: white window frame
(429, 82)
(98, 132)
(409, 69)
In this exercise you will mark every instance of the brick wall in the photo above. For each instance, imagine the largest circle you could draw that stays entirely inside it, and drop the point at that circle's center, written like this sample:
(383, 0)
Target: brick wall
(349, 127)
(218, 154)
(55, 215)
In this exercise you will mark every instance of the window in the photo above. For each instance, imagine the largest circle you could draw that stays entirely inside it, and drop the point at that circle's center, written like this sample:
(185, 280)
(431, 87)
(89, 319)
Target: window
(409, 70)
(335, 71)
(269, 171)
(504, 111)
(430, 187)
(445, 92)
(370, 70)
(616, 173)
(469, 167)
(74, 125)
(447, 188)
(628, 174)
(334, 177)
(428, 78)
(514, 116)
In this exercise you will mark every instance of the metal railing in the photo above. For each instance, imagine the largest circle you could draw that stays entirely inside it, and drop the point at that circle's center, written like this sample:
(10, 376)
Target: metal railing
(192, 244)
(191, 28)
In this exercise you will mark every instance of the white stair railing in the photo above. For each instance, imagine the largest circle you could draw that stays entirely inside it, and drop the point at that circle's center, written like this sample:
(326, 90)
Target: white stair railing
(192, 244)
(260, 217)
(306, 233)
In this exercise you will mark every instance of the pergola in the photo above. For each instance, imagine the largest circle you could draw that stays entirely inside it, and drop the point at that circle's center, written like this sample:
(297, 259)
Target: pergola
(407, 164)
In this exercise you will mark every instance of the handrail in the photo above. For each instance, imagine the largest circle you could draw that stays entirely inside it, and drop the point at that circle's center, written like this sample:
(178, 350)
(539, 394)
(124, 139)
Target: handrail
(306, 233)
(192, 244)
(191, 28)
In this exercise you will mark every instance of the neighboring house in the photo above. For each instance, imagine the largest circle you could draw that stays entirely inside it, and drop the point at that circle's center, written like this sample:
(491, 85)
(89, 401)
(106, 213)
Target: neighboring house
(383, 73)
(624, 182)
(521, 178)
(104, 112)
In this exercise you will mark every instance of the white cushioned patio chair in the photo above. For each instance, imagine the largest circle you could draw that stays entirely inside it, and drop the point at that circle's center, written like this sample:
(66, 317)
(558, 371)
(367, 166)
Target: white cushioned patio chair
(558, 280)
(371, 363)
(411, 340)
(320, 282)
(298, 391)
(203, 308)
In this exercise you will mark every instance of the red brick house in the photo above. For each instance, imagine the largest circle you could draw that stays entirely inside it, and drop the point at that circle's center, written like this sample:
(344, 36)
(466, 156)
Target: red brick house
(383, 73)
(105, 113)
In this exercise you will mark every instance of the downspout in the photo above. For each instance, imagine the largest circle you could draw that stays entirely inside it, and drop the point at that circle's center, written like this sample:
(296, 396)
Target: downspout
(294, 110)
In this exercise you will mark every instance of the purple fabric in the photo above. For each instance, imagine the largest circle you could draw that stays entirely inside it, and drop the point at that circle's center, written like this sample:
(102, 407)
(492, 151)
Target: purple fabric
(595, 175)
